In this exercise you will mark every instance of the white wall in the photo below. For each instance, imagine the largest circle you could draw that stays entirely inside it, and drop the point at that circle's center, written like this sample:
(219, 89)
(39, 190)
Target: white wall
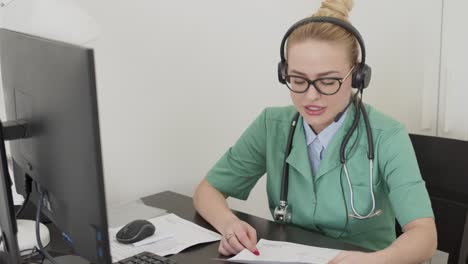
(453, 114)
(178, 81)
(403, 43)
(186, 78)
(2, 107)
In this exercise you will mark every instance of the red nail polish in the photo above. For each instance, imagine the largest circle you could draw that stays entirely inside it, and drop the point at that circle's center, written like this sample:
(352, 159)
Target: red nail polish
(256, 253)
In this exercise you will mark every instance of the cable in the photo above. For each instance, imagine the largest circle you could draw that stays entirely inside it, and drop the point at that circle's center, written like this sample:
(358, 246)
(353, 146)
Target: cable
(38, 235)
(30, 255)
(345, 204)
(350, 131)
(346, 210)
(27, 190)
(356, 140)
(350, 150)
(341, 183)
(361, 108)
(372, 211)
(285, 179)
(20, 210)
(29, 259)
(370, 138)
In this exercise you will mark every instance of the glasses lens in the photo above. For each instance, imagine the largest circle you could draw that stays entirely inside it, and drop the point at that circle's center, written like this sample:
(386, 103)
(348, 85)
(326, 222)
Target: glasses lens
(297, 84)
(327, 86)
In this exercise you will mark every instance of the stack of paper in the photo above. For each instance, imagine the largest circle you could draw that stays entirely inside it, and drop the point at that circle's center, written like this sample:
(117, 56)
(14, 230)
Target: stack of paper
(285, 252)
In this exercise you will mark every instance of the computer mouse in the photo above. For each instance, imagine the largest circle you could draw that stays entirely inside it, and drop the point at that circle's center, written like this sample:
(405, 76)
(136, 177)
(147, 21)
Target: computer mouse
(135, 231)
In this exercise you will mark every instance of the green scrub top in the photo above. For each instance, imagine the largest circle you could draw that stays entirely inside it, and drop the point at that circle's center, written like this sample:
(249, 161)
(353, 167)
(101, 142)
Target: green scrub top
(317, 200)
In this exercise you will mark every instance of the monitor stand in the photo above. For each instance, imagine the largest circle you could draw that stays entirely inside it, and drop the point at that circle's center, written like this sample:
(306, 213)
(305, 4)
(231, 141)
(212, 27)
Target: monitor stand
(68, 259)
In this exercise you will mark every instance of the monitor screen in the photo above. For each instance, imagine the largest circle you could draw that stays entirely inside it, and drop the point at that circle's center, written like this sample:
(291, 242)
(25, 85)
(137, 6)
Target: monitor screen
(51, 87)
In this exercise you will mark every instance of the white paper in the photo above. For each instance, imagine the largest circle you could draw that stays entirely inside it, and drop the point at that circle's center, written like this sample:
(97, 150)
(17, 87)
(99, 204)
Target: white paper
(179, 235)
(285, 252)
(158, 236)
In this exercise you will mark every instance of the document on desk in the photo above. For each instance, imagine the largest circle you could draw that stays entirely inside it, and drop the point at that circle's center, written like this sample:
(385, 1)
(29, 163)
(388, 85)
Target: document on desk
(173, 234)
(285, 252)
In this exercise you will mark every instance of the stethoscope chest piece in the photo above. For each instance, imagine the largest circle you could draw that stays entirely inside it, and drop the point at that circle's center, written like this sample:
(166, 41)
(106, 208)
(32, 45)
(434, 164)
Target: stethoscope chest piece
(283, 213)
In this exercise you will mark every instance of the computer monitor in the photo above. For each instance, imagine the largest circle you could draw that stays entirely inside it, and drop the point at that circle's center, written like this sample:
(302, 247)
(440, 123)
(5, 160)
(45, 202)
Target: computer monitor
(50, 87)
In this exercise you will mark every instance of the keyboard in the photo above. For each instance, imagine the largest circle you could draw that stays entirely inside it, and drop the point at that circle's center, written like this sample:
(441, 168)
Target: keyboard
(146, 258)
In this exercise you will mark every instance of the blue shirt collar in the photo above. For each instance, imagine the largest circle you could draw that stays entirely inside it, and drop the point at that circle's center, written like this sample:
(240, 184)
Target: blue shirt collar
(327, 134)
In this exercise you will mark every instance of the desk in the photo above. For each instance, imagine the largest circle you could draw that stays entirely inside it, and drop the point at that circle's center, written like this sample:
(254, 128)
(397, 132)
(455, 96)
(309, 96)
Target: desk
(182, 206)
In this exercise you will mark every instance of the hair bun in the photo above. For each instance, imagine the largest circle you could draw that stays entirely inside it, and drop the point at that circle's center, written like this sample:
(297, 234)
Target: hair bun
(335, 8)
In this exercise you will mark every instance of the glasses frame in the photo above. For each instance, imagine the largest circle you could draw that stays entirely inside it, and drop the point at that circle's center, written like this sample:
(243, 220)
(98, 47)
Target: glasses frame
(312, 82)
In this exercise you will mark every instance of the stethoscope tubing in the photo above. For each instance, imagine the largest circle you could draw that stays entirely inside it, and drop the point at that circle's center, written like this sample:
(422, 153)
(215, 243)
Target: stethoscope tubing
(359, 108)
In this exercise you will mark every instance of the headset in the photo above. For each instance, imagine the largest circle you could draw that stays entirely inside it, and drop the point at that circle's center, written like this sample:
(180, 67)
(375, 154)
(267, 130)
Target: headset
(362, 72)
(360, 79)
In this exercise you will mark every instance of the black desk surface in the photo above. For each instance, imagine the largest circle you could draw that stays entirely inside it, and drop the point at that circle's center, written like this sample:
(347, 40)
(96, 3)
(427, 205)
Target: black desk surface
(182, 206)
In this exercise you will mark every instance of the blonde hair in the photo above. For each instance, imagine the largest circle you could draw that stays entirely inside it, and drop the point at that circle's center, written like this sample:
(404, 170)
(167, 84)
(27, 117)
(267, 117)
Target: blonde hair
(329, 32)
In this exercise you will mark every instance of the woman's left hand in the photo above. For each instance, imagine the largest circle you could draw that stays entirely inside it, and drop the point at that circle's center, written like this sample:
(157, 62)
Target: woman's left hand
(354, 257)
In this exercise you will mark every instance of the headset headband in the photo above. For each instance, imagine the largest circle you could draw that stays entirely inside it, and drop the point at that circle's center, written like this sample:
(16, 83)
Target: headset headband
(362, 73)
(322, 19)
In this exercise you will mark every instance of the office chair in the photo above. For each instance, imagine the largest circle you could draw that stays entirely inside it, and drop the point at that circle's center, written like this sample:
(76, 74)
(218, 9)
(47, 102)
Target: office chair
(444, 167)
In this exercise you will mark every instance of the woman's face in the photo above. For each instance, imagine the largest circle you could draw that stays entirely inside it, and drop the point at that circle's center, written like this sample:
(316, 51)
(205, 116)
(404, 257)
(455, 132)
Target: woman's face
(314, 59)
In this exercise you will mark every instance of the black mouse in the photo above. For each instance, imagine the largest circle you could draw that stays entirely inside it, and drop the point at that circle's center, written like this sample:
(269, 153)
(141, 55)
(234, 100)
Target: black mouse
(135, 231)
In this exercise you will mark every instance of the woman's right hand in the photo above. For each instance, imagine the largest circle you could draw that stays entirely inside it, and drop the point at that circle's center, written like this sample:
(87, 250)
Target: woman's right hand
(238, 235)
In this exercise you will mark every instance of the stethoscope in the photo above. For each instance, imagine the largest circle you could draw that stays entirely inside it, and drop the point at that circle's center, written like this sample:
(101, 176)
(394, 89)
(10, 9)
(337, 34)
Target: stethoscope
(283, 212)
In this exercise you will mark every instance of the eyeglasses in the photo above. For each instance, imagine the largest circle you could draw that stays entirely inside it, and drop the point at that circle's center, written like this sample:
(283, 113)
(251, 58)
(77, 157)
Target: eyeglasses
(326, 86)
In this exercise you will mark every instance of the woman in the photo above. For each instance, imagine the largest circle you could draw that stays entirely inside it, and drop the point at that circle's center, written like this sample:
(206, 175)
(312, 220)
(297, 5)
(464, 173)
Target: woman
(320, 68)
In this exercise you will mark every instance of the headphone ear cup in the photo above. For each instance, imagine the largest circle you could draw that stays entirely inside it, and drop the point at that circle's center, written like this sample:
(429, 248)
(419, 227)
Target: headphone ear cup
(281, 72)
(361, 76)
